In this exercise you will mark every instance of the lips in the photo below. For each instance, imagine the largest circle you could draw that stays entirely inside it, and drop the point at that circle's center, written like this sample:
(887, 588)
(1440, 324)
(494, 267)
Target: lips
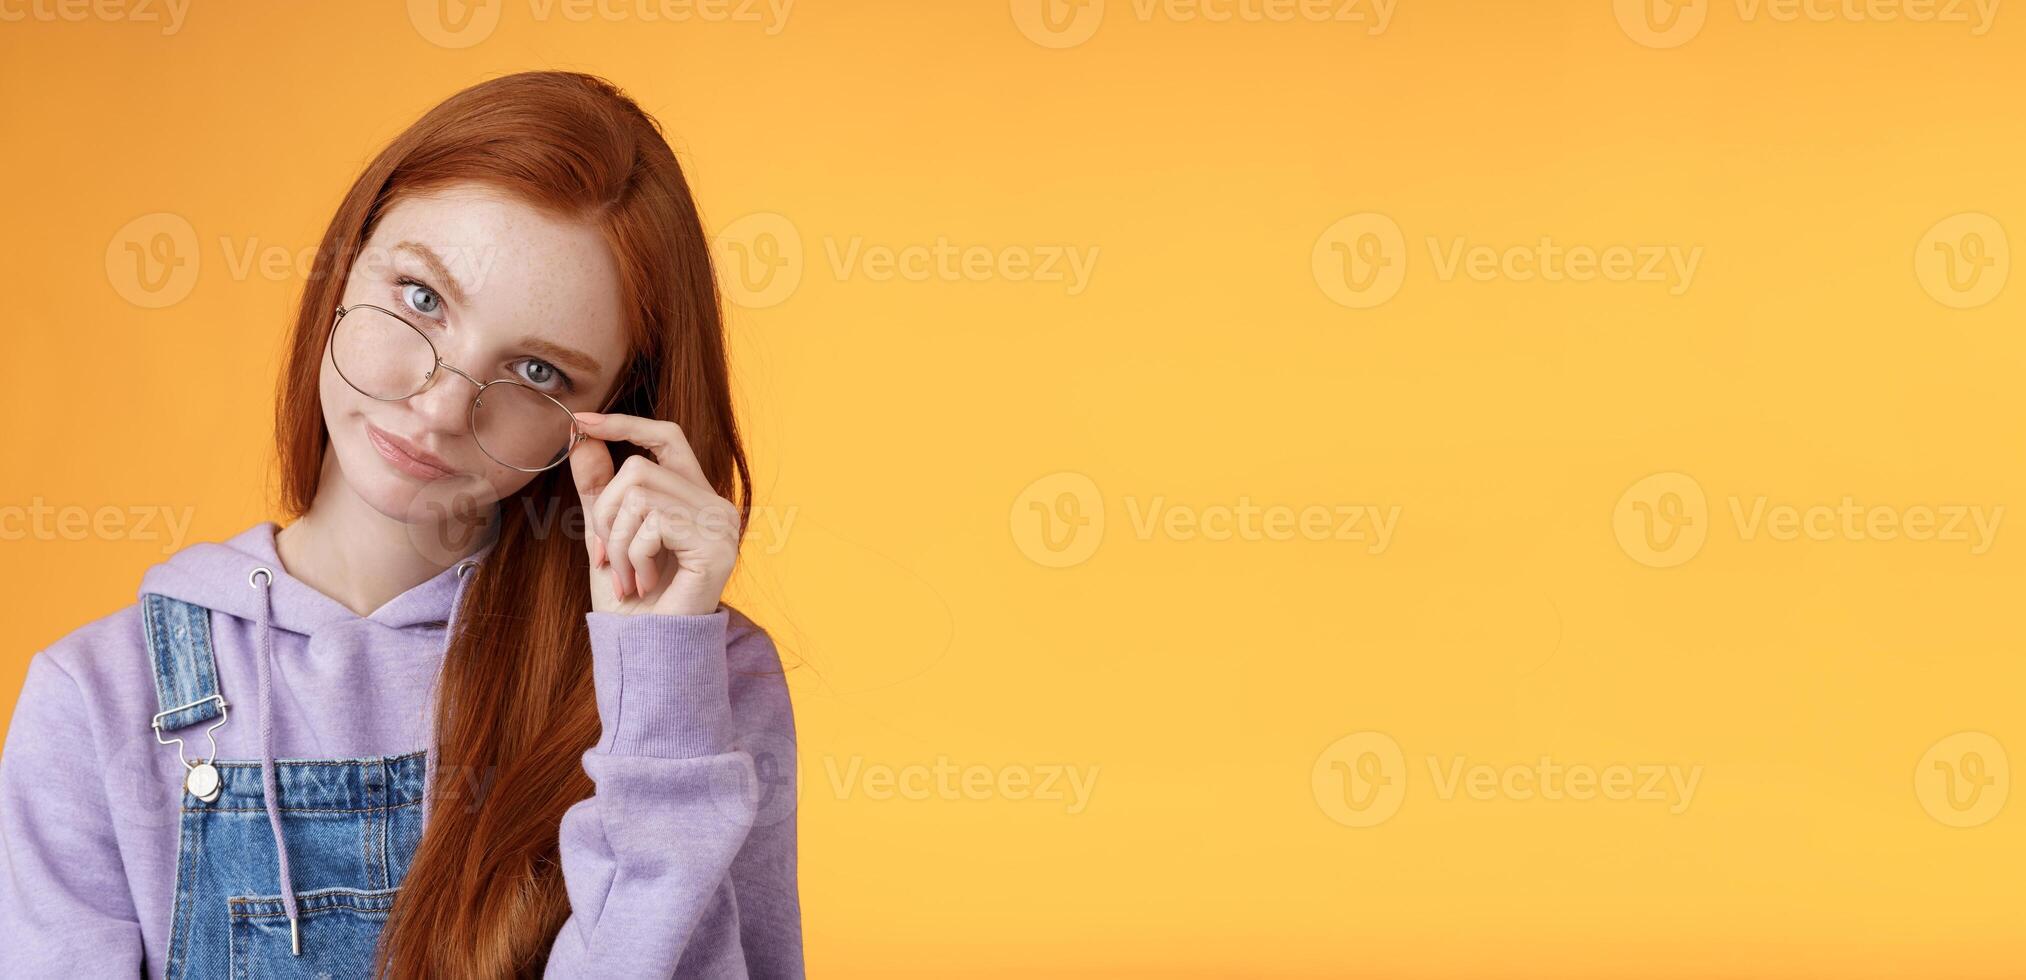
(406, 456)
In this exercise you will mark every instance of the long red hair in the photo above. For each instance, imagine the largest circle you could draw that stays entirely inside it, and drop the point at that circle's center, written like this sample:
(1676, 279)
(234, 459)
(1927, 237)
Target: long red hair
(484, 894)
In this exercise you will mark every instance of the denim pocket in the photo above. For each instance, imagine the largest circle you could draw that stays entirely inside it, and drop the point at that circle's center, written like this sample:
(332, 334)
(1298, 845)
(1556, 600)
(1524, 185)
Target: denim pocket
(339, 928)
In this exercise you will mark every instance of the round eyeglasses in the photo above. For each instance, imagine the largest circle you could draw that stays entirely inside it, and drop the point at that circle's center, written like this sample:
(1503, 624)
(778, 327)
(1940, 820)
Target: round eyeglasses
(388, 359)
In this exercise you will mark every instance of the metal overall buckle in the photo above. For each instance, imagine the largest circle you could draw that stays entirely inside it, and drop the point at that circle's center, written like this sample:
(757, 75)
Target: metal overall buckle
(200, 778)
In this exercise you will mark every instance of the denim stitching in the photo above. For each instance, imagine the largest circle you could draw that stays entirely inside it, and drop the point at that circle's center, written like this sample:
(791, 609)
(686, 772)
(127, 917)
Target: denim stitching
(302, 809)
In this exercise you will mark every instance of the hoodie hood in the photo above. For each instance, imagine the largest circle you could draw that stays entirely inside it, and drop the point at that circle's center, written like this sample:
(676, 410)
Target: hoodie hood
(215, 575)
(243, 577)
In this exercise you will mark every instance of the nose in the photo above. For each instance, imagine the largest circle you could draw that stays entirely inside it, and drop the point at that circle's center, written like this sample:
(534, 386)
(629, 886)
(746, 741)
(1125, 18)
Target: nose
(446, 403)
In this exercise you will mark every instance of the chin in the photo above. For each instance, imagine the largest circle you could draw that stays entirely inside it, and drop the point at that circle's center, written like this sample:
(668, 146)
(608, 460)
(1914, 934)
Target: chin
(443, 518)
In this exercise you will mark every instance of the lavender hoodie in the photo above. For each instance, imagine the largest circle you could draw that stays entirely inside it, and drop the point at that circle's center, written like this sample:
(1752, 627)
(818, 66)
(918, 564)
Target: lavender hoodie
(682, 863)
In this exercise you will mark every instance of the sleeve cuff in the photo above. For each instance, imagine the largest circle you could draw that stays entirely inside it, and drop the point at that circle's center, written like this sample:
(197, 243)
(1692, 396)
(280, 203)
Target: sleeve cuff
(662, 683)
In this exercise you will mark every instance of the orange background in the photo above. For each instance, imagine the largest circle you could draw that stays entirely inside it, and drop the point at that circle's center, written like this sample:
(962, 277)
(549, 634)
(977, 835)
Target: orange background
(935, 451)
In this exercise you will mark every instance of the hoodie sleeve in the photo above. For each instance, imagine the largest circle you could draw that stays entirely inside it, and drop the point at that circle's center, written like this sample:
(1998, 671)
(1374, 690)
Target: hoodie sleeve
(65, 908)
(682, 861)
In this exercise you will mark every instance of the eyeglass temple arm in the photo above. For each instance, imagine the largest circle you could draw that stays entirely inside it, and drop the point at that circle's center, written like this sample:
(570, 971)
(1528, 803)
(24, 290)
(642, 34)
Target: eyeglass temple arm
(577, 434)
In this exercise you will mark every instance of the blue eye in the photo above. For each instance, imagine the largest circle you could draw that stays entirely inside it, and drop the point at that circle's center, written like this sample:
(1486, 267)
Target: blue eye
(542, 375)
(420, 298)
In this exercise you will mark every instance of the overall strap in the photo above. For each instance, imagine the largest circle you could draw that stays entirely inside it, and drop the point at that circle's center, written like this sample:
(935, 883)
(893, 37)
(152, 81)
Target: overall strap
(186, 671)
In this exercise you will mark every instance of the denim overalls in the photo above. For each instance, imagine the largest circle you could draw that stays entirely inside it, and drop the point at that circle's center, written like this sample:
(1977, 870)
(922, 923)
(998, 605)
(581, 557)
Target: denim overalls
(291, 877)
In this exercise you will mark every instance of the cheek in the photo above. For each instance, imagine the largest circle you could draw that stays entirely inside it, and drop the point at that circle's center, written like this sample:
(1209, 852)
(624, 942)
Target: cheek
(331, 391)
(337, 396)
(505, 481)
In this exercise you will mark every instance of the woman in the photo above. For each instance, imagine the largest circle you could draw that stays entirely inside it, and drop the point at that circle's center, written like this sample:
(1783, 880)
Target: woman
(477, 710)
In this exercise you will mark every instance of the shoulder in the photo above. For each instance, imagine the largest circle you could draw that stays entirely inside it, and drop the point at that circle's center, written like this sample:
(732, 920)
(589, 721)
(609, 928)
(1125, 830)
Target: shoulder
(106, 659)
(97, 677)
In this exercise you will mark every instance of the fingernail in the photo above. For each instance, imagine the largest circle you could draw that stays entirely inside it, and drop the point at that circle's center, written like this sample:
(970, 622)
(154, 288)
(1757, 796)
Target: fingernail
(588, 418)
(618, 590)
(597, 552)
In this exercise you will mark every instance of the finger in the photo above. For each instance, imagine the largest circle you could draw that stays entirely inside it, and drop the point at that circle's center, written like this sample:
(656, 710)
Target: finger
(662, 438)
(635, 504)
(718, 521)
(646, 546)
(639, 472)
(591, 471)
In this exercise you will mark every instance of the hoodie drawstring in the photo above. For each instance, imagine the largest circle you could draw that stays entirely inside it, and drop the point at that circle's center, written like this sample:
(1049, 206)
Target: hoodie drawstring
(262, 579)
(449, 634)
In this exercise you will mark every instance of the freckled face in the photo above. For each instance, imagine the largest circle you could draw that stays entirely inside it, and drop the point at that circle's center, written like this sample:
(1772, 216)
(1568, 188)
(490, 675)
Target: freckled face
(500, 289)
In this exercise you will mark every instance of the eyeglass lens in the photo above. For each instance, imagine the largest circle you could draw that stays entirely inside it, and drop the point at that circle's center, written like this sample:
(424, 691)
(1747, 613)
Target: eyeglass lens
(385, 358)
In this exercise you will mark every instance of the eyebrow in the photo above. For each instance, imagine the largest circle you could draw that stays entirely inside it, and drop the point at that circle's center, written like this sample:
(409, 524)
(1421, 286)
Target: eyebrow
(436, 268)
(568, 356)
(565, 355)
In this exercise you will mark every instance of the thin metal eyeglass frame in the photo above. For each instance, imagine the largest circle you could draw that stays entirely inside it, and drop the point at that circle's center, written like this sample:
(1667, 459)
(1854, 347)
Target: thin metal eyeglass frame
(575, 435)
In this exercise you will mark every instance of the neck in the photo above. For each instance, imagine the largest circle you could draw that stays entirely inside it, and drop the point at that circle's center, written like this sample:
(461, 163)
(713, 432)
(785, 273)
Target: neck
(362, 558)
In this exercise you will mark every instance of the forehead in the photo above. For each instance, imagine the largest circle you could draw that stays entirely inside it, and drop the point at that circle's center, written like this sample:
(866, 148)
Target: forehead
(517, 265)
